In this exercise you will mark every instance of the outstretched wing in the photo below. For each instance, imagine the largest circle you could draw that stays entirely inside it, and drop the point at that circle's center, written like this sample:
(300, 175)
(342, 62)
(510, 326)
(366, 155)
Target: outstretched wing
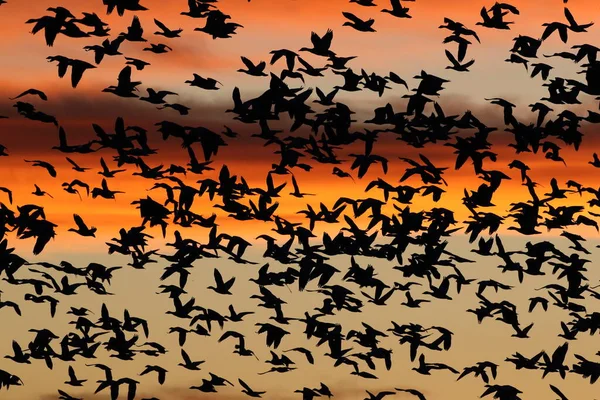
(352, 17)
(161, 25)
(79, 221)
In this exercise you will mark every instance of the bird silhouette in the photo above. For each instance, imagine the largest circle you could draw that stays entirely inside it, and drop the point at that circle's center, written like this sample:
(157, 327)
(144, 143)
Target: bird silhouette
(358, 24)
(82, 228)
(321, 110)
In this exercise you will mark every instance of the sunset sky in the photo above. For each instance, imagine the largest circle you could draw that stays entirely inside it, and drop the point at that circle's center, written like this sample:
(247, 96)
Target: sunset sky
(404, 46)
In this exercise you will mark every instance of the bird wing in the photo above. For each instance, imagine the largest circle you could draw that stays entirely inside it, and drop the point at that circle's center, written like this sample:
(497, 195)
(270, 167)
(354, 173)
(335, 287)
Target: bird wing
(161, 25)
(249, 64)
(218, 277)
(50, 168)
(558, 392)
(125, 76)
(570, 17)
(73, 163)
(186, 357)
(560, 353)
(305, 64)
(451, 58)
(136, 24)
(327, 38)
(72, 373)
(314, 38)
(509, 7)
(295, 184)
(163, 93)
(352, 17)
(103, 165)
(8, 192)
(77, 69)
(245, 385)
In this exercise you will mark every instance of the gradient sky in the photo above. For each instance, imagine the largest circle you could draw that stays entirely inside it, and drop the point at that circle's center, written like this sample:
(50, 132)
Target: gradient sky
(405, 46)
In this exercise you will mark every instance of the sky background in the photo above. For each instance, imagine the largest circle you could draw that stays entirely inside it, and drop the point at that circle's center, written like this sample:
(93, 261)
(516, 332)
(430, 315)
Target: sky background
(405, 46)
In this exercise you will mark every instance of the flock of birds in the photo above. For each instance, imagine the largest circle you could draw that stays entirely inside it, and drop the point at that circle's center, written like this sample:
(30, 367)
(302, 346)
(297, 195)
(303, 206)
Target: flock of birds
(304, 257)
